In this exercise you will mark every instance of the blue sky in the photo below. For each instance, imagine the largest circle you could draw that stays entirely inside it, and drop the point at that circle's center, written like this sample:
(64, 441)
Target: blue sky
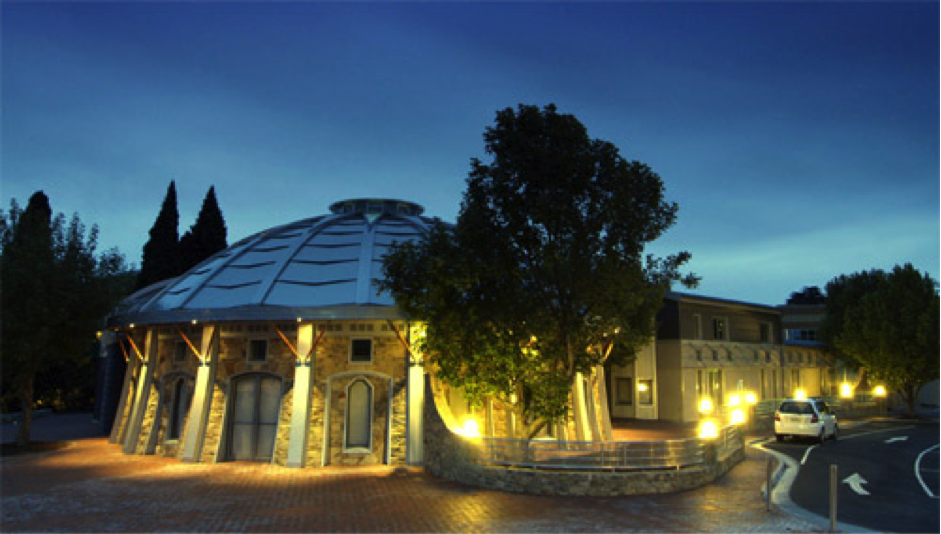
(800, 140)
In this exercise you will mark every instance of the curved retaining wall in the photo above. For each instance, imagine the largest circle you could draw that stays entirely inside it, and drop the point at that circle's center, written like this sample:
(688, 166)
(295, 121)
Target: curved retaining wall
(448, 455)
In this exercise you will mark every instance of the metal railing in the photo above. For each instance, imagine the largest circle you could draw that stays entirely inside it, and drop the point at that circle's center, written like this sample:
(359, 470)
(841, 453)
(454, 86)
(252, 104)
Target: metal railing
(602, 455)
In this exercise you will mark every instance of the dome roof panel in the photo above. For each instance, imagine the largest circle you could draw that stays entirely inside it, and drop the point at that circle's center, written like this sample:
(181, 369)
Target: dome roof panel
(325, 266)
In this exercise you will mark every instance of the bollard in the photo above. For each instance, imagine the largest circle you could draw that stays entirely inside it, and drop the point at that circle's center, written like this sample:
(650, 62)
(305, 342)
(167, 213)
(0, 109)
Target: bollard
(833, 488)
(768, 485)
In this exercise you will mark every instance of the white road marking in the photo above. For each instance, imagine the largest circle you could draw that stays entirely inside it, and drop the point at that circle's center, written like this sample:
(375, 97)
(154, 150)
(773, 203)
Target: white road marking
(897, 438)
(918, 471)
(856, 483)
(876, 432)
(807, 454)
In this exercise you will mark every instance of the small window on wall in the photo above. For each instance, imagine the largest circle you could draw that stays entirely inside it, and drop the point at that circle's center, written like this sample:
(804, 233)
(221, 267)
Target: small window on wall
(258, 350)
(625, 391)
(645, 392)
(361, 350)
(719, 329)
(179, 352)
(764, 333)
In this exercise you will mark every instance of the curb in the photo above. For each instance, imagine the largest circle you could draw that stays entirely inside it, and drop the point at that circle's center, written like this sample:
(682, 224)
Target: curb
(781, 482)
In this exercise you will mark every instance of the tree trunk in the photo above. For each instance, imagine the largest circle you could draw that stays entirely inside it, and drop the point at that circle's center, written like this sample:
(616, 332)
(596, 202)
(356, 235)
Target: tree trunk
(26, 421)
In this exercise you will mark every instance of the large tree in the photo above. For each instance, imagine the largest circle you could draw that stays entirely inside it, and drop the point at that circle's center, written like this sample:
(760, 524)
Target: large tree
(891, 328)
(544, 272)
(207, 236)
(55, 292)
(161, 256)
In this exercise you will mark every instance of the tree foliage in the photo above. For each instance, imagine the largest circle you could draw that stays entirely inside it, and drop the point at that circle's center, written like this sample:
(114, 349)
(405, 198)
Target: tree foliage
(161, 257)
(892, 328)
(544, 271)
(807, 296)
(206, 237)
(55, 292)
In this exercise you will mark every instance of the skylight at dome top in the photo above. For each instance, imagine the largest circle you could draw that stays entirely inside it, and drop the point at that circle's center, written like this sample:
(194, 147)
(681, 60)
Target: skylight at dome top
(324, 267)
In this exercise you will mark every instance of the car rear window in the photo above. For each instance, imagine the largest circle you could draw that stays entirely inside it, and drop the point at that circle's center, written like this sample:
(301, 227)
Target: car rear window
(799, 408)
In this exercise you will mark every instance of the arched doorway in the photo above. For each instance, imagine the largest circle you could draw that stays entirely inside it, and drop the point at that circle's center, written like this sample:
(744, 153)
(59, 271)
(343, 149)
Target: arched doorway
(254, 409)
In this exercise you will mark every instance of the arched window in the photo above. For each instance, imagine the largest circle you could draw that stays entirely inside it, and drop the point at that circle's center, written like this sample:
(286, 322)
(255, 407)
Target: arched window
(358, 415)
(181, 395)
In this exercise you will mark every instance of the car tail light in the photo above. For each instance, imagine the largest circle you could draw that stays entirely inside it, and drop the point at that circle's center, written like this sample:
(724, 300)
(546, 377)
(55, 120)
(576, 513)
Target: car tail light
(815, 419)
(777, 416)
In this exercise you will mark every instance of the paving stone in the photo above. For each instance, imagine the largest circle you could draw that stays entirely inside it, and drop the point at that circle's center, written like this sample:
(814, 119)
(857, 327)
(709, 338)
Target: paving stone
(92, 487)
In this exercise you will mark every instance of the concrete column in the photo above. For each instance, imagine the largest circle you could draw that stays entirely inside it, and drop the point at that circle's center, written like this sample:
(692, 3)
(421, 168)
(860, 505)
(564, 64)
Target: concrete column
(202, 396)
(606, 433)
(300, 413)
(414, 444)
(142, 396)
(582, 426)
(120, 421)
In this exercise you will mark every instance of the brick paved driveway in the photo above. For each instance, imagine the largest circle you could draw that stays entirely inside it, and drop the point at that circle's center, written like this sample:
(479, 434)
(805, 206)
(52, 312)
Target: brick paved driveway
(92, 486)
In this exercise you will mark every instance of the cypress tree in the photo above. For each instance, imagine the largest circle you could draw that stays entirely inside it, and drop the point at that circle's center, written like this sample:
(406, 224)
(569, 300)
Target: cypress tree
(207, 236)
(161, 258)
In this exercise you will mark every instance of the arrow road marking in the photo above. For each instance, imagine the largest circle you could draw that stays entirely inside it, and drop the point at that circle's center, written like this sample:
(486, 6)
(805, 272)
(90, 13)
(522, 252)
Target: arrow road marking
(856, 483)
(897, 438)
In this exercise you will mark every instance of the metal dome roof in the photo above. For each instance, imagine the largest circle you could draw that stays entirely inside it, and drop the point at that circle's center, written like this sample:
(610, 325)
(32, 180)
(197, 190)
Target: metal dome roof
(324, 267)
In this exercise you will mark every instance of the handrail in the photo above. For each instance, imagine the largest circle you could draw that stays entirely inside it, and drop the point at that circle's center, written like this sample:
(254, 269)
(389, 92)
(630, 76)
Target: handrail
(602, 455)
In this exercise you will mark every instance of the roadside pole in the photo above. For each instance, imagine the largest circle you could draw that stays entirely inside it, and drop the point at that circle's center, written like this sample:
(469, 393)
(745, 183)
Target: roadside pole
(768, 485)
(833, 488)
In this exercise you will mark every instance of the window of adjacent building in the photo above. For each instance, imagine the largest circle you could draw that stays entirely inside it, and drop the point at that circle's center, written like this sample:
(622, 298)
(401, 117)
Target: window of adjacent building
(624, 388)
(258, 350)
(361, 350)
(764, 333)
(358, 433)
(697, 326)
(774, 383)
(645, 392)
(764, 385)
(795, 378)
(715, 355)
(179, 351)
(720, 329)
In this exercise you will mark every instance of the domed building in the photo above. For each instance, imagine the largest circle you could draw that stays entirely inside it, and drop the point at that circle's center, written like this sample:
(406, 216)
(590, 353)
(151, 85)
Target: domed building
(279, 348)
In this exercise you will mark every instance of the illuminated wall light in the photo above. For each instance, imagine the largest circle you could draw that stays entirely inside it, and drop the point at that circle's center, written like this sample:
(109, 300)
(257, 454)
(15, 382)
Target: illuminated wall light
(642, 387)
(846, 390)
(751, 398)
(735, 399)
(708, 429)
(737, 416)
(879, 391)
(800, 394)
(470, 429)
(194, 321)
(132, 325)
(705, 405)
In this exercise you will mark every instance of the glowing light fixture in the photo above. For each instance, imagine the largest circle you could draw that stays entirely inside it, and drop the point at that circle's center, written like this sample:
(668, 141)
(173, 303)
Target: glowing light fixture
(846, 390)
(735, 399)
(879, 391)
(800, 394)
(708, 429)
(705, 405)
(751, 398)
(194, 321)
(737, 416)
(642, 386)
(469, 429)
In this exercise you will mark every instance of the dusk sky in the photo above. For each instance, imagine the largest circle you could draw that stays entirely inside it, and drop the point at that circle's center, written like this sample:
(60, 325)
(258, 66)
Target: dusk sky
(801, 140)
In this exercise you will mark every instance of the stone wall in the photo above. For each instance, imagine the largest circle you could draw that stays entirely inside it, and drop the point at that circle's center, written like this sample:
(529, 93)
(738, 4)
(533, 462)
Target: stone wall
(283, 438)
(448, 455)
(214, 426)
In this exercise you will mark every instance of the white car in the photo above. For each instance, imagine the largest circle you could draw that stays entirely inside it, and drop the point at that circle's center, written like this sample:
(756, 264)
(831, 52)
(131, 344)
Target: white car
(805, 417)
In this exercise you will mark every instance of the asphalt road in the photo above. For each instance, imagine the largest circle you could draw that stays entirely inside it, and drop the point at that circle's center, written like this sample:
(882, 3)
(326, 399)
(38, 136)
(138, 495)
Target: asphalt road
(887, 472)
